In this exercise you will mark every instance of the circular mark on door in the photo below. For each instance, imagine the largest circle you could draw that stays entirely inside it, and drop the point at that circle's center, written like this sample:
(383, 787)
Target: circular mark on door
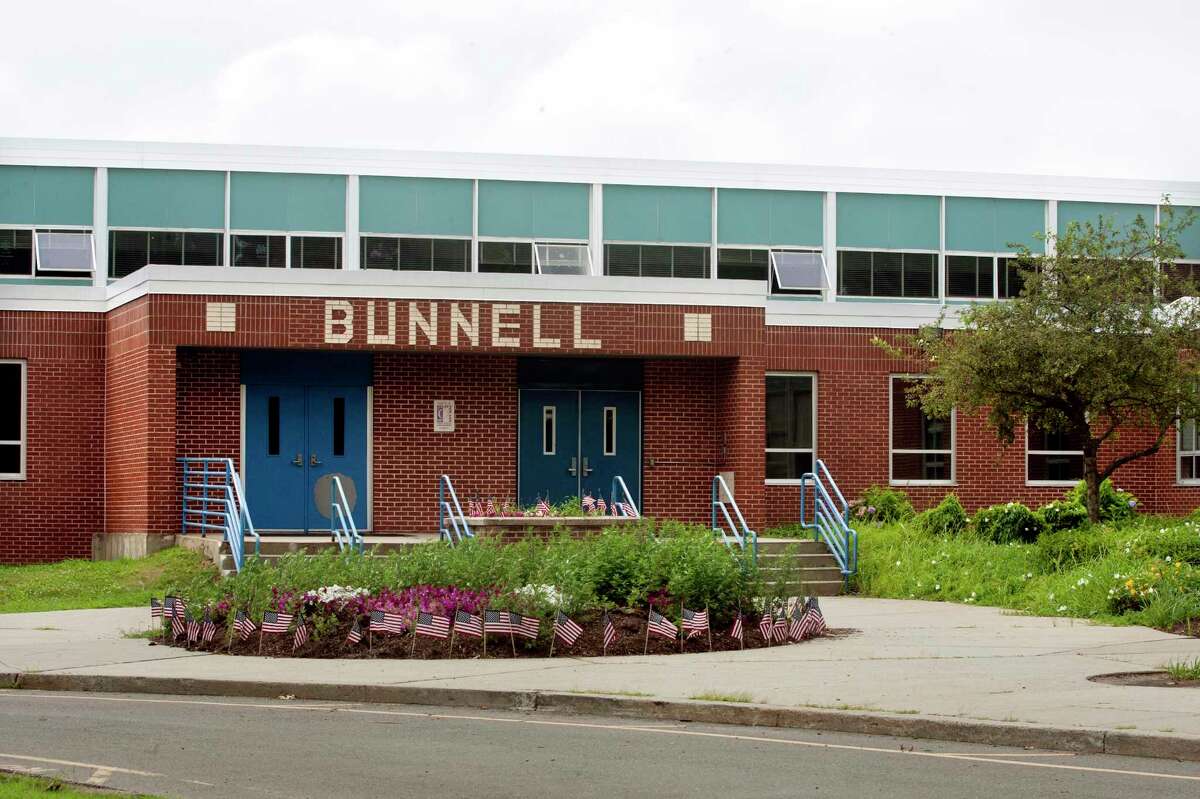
(321, 495)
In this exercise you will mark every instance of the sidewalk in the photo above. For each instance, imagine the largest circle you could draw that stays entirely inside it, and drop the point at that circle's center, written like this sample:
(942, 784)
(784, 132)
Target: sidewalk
(910, 662)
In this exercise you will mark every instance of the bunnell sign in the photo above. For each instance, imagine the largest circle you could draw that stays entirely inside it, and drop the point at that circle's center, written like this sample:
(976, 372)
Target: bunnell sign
(453, 324)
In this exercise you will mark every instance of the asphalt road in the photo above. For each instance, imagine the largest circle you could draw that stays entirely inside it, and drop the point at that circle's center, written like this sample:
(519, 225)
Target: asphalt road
(212, 747)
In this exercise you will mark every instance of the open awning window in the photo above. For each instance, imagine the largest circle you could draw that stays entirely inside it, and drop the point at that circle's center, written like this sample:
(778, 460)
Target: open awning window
(64, 252)
(799, 271)
(562, 259)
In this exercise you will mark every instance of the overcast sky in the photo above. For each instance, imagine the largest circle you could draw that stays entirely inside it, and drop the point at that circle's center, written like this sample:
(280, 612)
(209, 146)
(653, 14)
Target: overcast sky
(1093, 87)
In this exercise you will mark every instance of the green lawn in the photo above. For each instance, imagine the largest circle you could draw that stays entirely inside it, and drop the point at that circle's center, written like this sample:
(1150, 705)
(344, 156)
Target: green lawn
(73, 584)
(13, 786)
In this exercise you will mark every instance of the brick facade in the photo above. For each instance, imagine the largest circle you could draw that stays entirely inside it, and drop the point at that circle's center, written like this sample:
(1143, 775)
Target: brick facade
(115, 398)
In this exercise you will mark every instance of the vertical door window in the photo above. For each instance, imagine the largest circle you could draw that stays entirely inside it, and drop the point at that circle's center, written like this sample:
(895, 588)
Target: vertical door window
(339, 426)
(549, 429)
(610, 430)
(12, 420)
(272, 425)
(791, 417)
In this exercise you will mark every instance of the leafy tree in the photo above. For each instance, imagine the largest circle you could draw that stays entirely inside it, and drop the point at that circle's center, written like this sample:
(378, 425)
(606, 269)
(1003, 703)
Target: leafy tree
(1089, 347)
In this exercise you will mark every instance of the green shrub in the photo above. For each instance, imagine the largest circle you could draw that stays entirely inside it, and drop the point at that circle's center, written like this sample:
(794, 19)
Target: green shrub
(1063, 549)
(883, 506)
(1062, 515)
(1115, 505)
(1006, 523)
(948, 518)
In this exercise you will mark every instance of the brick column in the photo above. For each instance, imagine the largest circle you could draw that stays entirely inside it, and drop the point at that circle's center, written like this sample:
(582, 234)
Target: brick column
(740, 392)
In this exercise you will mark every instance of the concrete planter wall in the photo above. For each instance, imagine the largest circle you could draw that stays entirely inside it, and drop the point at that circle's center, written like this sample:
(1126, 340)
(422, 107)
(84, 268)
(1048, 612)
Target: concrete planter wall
(516, 528)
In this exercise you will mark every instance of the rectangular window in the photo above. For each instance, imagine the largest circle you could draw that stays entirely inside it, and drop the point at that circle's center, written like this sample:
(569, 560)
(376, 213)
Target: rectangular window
(549, 429)
(970, 276)
(415, 254)
(742, 264)
(655, 260)
(258, 250)
(12, 420)
(16, 252)
(1053, 456)
(1011, 281)
(801, 270)
(130, 250)
(791, 426)
(316, 252)
(272, 425)
(864, 273)
(1189, 452)
(511, 257)
(63, 253)
(339, 426)
(551, 258)
(922, 447)
(1183, 280)
(610, 430)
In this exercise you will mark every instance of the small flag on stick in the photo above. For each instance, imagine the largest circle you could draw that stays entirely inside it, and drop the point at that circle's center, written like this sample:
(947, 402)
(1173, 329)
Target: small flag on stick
(813, 621)
(193, 628)
(525, 626)
(496, 622)
(796, 624)
(356, 633)
(301, 636)
(565, 629)
(542, 509)
(244, 626)
(601, 506)
(661, 626)
(766, 625)
(208, 629)
(780, 629)
(383, 621)
(610, 632)
(736, 632)
(156, 609)
(468, 624)
(695, 622)
(432, 625)
(276, 621)
(588, 503)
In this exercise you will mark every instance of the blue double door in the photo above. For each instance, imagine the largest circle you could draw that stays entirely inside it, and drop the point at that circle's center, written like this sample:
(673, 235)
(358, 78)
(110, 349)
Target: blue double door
(297, 438)
(573, 443)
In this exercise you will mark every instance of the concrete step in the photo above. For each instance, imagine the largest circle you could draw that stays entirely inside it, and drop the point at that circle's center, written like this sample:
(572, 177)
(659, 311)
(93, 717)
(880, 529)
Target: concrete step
(798, 545)
(805, 575)
(813, 588)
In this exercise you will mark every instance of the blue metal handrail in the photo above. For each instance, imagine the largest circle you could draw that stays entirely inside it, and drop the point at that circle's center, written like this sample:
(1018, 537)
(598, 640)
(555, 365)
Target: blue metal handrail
(624, 507)
(722, 522)
(452, 522)
(213, 499)
(830, 520)
(341, 520)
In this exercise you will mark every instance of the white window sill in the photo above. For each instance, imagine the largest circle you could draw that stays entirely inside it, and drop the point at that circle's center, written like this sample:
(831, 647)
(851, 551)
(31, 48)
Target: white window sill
(783, 481)
(12, 477)
(919, 483)
(1188, 483)
(1052, 483)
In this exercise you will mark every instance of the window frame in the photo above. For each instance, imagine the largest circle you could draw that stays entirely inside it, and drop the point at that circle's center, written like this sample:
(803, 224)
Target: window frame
(531, 242)
(792, 481)
(706, 248)
(770, 280)
(939, 267)
(287, 235)
(1053, 483)
(23, 404)
(33, 230)
(996, 258)
(1181, 453)
(536, 263)
(148, 230)
(1194, 263)
(362, 262)
(892, 452)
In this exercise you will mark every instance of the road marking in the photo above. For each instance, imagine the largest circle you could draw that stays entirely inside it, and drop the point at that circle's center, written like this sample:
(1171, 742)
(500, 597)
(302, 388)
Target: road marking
(100, 776)
(998, 758)
(93, 766)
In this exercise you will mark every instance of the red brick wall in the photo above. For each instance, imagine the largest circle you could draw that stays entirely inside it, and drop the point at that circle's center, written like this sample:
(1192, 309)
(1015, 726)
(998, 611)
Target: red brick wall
(53, 513)
(740, 389)
(680, 449)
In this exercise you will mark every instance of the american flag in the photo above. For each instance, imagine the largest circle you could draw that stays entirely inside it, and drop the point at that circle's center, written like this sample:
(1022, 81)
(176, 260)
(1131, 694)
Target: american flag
(628, 509)
(301, 636)
(661, 625)
(386, 622)
(433, 625)
(468, 624)
(495, 621)
(474, 508)
(813, 621)
(209, 629)
(491, 507)
(780, 630)
(276, 622)
(156, 609)
(736, 632)
(765, 624)
(180, 607)
(616, 508)
(796, 624)
(565, 629)
(355, 633)
(524, 626)
(193, 628)
(542, 509)
(177, 625)
(243, 625)
(695, 622)
(610, 631)
(169, 607)
(588, 503)
(601, 506)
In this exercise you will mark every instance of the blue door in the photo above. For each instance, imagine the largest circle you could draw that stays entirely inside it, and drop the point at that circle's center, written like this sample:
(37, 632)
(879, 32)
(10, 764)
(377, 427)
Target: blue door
(297, 438)
(610, 442)
(549, 446)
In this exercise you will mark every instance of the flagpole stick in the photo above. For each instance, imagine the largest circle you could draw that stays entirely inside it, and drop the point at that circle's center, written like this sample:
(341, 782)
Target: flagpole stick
(646, 646)
(742, 637)
(260, 636)
(512, 638)
(370, 638)
(413, 652)
(554, 631)
(681, 636)
(709, 622)
(453, 630)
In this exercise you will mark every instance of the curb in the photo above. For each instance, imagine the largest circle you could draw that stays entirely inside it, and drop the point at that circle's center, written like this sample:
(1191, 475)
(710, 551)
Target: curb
(1032, 736)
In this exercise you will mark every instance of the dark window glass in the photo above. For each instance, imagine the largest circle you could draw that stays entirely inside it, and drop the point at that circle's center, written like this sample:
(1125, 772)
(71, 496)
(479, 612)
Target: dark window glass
(1059, 466)
(1011, 279)
(854, 273)
(549, 415)
(921, 444)
(790, 425)
(316, 252)
(887, 272)
(10, 402)
(202, 249)
(128, 251)
(788, 465)
(969, 276)
(920, 275)
(10, 458)
(1182, 280)
(272, 425)
(16, 252)
(610, 431)
(512, 257)
(416, 254)
(742, 264)
(622, 260)
(339, 426)
(656, 260)
(378, 252)
(1059, 458)
(451, 255)
(260, 251)
(165, 248)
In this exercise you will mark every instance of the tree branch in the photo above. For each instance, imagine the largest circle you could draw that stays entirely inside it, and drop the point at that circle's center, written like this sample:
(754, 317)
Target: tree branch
(1141, 453)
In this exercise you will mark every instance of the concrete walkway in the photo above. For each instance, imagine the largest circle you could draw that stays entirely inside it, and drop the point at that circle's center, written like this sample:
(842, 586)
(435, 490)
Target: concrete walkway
(907, 659)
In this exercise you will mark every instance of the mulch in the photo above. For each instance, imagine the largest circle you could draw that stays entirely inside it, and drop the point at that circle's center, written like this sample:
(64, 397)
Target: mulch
(631, 638)
(1144, 679)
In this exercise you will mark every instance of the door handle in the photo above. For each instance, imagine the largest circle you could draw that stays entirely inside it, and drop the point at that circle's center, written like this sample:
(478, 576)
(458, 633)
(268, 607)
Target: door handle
(313, 460)
(298, 460)
(574, 472)
(587, 470)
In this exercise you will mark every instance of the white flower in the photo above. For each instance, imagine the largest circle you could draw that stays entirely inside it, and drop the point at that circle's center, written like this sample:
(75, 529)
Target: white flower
(1082, 581)
(1061, 608)
(1168, 558)
(897, 563)
(1050, 597)
(937, 587)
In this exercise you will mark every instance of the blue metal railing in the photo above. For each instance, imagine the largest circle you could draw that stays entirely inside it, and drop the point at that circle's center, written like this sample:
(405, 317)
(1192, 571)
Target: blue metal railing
(623, 504)
(341, 520)
(830, 520)
(452, 522)
(213, 499)
(731, 526)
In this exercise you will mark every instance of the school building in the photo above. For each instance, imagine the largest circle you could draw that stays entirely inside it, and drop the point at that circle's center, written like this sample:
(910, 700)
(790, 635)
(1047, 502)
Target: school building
(530, 326)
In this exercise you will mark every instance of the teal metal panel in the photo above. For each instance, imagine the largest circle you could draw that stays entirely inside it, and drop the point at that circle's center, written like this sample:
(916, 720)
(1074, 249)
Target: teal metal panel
(1121, 213)
(280, 201)
(982, 224)
(46, 195)
(763, 216)
(658, 213)
(418, 206)
(166, 198)
(1189, 238)
(889, 221)
(527, 209)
